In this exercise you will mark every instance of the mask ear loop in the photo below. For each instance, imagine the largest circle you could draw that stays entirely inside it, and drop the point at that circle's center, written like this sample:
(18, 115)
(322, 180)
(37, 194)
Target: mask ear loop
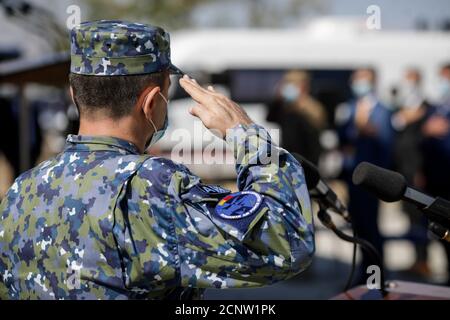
(150, 120)
(164, 98)
(153, 125)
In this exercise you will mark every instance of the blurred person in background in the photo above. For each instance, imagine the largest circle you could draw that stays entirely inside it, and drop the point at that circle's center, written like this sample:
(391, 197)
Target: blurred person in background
(436, 147)
(407, 122)
(365, 134)
(300, 116)
(9, 131)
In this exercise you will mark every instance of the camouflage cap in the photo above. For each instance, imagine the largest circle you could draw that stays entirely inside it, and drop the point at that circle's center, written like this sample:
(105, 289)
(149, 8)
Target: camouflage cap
(116, 48)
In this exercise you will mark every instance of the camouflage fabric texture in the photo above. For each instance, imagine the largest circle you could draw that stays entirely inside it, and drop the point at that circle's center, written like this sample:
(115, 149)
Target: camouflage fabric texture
(118, 48)
(101, 221)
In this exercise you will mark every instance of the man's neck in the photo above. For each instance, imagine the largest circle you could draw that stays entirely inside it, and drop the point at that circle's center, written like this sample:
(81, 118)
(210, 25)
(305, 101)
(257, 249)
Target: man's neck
(122, 129)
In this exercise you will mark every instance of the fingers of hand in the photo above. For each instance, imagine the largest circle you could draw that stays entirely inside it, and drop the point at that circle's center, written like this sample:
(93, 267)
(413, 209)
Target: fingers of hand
(194, 83)
(202, 113)
(213, 109)
(195, 111)
(194, 90)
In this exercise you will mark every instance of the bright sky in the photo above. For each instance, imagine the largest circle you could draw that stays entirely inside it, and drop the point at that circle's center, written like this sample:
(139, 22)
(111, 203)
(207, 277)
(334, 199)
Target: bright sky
(398, 14)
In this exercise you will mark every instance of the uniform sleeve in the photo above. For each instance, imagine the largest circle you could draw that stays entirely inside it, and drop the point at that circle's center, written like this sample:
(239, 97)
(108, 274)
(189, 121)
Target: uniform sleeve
(260, 235)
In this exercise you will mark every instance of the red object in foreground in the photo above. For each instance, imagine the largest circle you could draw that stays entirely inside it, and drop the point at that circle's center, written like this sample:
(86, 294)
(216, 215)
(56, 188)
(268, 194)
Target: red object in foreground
(398, 290)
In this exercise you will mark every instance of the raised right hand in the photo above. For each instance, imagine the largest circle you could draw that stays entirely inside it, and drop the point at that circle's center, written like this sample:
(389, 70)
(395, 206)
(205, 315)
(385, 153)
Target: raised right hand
(216, 111)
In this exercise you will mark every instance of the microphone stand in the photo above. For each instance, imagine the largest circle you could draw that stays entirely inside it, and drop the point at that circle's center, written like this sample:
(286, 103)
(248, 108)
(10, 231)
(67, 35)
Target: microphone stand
(438, 230)
(438, 213)
(326, 220)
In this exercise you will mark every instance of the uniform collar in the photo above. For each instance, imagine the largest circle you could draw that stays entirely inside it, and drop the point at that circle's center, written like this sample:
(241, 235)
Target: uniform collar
(100, 143)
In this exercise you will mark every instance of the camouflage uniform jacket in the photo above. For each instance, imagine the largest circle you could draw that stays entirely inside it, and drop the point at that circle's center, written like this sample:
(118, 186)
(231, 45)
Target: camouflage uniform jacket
(101, 221)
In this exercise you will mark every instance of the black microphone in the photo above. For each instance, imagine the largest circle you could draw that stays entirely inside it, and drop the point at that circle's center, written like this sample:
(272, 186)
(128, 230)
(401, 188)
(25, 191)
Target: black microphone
(391, 186)
(319, 190)
(387, 185)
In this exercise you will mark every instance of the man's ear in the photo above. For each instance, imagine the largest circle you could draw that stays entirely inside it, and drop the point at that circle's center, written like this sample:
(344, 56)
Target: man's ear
(147, 100)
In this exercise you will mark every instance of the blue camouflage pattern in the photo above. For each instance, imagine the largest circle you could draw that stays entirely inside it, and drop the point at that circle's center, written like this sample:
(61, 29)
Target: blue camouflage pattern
(101, 221)
(120, 48)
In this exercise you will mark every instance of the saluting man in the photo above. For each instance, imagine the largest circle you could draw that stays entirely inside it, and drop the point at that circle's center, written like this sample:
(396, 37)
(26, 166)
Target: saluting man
(104, 220)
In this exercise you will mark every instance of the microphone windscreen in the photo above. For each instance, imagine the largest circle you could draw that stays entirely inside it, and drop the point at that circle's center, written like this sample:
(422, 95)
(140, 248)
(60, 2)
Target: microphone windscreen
(385, 184)
(312, 175)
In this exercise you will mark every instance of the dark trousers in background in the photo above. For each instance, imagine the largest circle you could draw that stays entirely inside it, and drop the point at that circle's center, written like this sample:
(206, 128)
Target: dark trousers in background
(418, 231)
(363, 209)
(442, 191)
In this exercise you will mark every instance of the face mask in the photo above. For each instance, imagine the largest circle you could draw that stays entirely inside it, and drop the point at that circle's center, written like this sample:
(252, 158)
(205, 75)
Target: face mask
(290, 92)
(158, 134)
(361, 88)
(408, 86)
(410, 95)
(444, 89)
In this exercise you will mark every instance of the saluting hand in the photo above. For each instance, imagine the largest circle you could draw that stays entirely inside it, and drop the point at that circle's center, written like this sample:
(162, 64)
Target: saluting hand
(215, 110)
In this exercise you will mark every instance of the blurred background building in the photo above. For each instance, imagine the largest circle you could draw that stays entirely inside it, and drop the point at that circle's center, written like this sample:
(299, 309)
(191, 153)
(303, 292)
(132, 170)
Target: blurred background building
(289, 63)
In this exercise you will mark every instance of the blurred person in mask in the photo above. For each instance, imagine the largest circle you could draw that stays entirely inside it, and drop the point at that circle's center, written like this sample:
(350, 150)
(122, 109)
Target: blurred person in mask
(300, 116)
(436, 147)
(365, 134)
(407, 122)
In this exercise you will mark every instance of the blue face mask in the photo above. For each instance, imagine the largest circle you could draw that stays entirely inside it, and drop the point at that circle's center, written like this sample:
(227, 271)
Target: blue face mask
(158, 134)
(444, 89)
(290, 93)
(361, 88)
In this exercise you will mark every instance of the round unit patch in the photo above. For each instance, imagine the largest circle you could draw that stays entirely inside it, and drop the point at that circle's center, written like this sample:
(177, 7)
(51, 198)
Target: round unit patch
(239, 205)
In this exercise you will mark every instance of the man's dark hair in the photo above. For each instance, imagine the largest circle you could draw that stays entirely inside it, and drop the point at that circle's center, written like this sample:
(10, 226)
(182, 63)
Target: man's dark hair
(445, 66)
(114, 95)
(371, 70)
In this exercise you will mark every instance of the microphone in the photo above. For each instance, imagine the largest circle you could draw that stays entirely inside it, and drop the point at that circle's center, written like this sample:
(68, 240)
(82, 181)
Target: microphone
(321, 192)
(327, 199)
(391, 186)
(387, 185)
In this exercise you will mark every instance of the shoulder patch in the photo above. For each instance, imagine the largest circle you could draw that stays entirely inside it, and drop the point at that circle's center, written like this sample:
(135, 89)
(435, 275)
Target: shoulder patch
(239, 205)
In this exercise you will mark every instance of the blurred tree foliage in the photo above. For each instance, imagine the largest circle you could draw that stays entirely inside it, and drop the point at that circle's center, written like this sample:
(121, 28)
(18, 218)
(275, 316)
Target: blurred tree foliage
(172, 14)
(269, 13)
(176, 14)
